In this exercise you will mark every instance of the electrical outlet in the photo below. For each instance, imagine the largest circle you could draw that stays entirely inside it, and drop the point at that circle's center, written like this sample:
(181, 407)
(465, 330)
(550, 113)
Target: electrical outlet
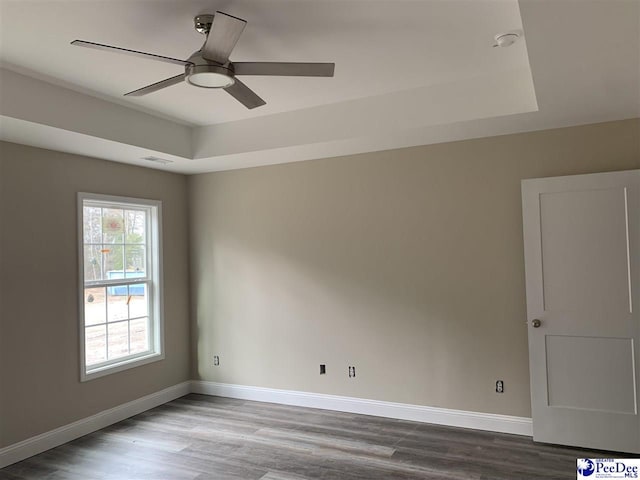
(323, 369)
(216, 360)
(352, 372)
(499, 386)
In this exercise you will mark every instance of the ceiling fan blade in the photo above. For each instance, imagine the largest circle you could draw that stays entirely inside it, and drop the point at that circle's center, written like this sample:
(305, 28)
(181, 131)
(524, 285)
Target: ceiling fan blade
(126, 51)
(285, 69)
(223, 36)
(244, 95)
(156, 86)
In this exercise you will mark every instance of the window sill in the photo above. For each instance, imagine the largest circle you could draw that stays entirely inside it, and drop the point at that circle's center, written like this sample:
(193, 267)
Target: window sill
(119, 367)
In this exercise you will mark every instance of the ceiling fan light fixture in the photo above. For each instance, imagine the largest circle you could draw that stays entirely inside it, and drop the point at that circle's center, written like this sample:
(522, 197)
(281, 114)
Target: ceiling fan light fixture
(209, 76)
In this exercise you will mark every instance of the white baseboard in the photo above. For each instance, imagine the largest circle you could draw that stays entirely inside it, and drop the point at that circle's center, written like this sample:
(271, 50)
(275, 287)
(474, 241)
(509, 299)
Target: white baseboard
(418, 413)
(40, 443)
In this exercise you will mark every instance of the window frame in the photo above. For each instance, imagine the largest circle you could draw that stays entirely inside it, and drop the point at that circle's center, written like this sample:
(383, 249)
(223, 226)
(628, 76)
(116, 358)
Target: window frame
(153, 281)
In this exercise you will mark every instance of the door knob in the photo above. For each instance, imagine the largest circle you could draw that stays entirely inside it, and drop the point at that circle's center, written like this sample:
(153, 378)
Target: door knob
(535, 323)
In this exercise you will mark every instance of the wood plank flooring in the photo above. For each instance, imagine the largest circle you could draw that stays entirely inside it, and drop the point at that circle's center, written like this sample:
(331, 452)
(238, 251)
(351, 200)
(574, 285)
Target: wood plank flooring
(200, 437)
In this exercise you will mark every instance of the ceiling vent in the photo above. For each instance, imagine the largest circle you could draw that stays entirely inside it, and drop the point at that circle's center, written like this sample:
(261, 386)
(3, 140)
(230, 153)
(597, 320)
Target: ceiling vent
(161, 161)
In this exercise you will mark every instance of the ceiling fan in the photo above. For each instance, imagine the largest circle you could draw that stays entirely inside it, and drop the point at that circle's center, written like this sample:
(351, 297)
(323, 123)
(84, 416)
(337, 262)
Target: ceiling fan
(210, 66)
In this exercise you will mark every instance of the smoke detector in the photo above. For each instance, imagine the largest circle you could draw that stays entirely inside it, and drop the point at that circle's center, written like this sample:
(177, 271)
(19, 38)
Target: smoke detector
(506, 39)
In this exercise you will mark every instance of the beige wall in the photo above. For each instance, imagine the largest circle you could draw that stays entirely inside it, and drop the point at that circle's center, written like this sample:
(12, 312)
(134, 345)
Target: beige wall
(39, 361)
(407, 264)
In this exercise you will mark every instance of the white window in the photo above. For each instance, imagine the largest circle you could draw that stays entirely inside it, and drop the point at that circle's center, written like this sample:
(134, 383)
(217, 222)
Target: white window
(120, 283)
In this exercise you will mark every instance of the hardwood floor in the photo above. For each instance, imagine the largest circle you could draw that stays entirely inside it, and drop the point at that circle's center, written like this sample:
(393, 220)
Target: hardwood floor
(200, 437)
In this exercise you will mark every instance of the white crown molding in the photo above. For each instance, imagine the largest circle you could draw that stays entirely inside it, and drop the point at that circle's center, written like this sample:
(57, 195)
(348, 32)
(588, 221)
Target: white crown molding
(417, 413)
(53, 438)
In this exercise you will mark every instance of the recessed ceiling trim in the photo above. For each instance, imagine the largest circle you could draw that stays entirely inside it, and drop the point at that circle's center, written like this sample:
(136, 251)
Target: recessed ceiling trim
(24, 97)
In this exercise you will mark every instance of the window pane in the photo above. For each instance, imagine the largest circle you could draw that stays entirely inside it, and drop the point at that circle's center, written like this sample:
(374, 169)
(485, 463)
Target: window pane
(138, 301)
(139, 334)
(95, 344)
(92, 263)
(135, 256)
(118, 339)
(135, 226)
(95, 308)
(92, 224)
(113, 225)
(117, 303)
(112, 261)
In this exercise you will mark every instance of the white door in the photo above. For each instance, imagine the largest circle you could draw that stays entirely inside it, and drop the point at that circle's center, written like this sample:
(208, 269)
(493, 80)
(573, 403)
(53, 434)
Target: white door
(582, 258)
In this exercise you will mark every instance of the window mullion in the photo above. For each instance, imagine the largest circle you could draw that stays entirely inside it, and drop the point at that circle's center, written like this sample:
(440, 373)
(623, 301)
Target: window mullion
(106, 290)
(106, 338)
(102, 243)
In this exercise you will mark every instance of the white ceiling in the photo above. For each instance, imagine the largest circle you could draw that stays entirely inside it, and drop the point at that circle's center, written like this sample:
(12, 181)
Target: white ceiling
(407, 73)
(378, 47)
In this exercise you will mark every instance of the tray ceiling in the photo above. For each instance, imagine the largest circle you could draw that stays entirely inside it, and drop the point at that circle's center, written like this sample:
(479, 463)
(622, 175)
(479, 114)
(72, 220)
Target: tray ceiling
(406, 72)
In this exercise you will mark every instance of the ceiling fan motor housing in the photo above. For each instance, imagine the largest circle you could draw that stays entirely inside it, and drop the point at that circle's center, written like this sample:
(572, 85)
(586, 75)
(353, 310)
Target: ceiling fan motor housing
(206, 74)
